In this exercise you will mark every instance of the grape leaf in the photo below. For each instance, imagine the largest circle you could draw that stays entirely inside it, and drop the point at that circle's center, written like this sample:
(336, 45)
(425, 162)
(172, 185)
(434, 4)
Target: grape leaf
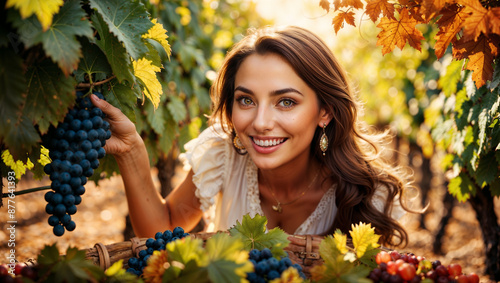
(12, 87)
(398, 32)
(146, 72)
(122, 97)
(228, 260)
(18, 166)
(448, 82)
(254, 235)
(177, 108)
(59, 41)
(487, 169)
(338, 21)
(186, 250)
(115, 52)
(376, 7)
(450, 23)
(155, 118)
(44, 10)
(363, 238)
(94, 63)
(495, 187)
(128, 20)
(169, 135)
(481, 54)
(158, 33)
(495, 81)
(461, 187)
(50, 94)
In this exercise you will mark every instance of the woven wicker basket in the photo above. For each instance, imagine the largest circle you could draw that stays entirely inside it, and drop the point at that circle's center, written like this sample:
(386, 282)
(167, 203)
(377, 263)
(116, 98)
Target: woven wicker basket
(104, 256)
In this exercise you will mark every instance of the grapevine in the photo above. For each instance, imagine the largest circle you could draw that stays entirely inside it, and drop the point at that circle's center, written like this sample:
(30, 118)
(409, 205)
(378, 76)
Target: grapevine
(267, 267)
(75, 147)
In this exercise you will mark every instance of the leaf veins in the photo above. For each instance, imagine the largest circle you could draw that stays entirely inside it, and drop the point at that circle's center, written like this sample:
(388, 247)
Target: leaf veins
(397, 33)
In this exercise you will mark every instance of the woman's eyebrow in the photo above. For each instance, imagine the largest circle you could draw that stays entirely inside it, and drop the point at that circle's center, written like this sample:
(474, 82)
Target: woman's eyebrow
(274, 92)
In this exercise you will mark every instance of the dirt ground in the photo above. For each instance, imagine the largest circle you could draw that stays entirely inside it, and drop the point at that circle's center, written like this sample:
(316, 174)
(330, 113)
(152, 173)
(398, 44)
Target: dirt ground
(101, 219)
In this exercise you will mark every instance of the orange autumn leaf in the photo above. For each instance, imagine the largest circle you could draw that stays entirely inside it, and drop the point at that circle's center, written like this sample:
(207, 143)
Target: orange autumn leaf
(450, 23)
(480, 54)
(430, 8)
(325, 4)
(477, 21)
(338, 21)
(376, 7)
(356, 4)
(397, 33)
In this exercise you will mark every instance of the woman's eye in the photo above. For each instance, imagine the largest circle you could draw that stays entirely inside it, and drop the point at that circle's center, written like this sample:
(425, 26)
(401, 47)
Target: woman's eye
(245, 101)
(286, 103)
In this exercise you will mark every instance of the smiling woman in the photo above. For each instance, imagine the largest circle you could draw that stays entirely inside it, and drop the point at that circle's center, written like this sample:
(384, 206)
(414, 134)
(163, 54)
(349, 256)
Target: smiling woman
(284, 142)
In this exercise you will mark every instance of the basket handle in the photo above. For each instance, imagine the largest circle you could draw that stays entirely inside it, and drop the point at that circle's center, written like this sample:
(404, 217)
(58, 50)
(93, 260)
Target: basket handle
(104, 261)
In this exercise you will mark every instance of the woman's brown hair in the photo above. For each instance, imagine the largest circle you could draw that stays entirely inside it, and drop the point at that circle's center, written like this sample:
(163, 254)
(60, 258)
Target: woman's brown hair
(353, 157)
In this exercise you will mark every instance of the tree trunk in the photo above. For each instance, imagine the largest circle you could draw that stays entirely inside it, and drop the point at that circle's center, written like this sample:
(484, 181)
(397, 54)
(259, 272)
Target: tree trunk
(483, 204)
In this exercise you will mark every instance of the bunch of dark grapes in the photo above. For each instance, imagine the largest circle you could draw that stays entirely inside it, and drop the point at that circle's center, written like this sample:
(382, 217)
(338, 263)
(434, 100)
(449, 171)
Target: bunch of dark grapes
(137, 264)
(19, 273)
(267, 267)
(75, 147)
(395, 267)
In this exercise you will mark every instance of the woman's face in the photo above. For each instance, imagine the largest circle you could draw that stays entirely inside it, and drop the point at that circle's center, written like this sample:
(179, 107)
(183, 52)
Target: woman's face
(275, 113)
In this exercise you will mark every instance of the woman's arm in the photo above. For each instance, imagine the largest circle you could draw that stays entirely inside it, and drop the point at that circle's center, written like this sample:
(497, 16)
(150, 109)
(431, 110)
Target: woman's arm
(149, 212)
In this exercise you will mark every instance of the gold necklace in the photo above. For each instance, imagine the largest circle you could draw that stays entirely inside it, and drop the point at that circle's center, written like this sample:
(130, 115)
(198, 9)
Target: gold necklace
(278, 206)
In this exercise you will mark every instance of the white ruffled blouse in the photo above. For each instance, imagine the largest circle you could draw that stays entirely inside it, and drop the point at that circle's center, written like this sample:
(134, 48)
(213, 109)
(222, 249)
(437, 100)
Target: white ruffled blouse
(227, 186)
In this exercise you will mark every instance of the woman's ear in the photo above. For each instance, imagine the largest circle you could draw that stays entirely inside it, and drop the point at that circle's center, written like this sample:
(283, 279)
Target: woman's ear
(324, 118)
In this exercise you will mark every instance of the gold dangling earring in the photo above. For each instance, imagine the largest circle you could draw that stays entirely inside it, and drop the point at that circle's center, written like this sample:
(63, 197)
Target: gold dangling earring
(240, 148)
(323, 141)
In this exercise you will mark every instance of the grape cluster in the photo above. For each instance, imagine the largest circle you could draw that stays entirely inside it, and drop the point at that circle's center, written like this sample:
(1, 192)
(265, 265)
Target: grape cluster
(137, 264)
(398, 267)
(19, 273)
(75, 147)
(267, 267)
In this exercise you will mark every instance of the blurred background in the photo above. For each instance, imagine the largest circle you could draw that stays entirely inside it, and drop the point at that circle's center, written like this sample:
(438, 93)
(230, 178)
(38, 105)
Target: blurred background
(399, 91)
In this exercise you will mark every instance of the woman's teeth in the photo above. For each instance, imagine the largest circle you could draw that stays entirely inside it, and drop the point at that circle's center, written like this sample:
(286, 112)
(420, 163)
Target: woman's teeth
(264, 143)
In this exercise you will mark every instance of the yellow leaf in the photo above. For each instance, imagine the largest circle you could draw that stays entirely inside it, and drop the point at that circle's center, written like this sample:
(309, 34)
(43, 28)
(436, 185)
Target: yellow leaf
(146, 72)
(290, 275)
(340, 241)
(44, 156)
(158, 33)
(363, 238)
(43, 9)
(18, 166)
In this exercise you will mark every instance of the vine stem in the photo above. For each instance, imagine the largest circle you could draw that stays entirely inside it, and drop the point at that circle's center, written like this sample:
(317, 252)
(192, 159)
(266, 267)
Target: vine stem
(89, 85)
(32, 190)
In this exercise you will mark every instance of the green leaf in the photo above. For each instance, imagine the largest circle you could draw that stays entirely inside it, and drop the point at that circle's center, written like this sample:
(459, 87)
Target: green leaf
(223, 271)
(49, 255)
(177, 108)
(155, 118)
(448, 82)
(117, 56)
(94, 63)
(186, 250)
(12, 87)
(128, 20)
(495, 187)
(190, 131)
(169, 135)
(487, 169)
(123, 97)
(461, 187)
(59, 41)
(495, 81)
(50, 94)
(254, 235)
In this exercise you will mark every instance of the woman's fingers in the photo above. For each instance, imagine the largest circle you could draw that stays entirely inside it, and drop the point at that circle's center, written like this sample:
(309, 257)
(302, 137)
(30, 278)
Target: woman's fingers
(111, 112)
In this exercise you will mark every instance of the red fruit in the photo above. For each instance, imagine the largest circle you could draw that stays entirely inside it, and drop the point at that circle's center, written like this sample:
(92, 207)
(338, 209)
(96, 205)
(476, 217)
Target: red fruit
(19, 267)
(473, 277)
(454, 269)
(392, 268)
(399, 262)
(29, 272)
(441, 270)
(462, 279)
(407, 271)
(431, 275)
(395, 255)
(382, 256)
(4, 269)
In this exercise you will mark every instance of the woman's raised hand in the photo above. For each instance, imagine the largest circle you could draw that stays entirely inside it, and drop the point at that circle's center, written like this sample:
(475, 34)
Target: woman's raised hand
(123, 132)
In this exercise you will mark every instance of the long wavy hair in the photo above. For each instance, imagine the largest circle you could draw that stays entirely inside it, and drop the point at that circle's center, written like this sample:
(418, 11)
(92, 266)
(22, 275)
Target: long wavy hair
(353, 158)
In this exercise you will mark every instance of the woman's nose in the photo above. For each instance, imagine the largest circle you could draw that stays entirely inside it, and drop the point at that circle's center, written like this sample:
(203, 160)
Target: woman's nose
(263, 120)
